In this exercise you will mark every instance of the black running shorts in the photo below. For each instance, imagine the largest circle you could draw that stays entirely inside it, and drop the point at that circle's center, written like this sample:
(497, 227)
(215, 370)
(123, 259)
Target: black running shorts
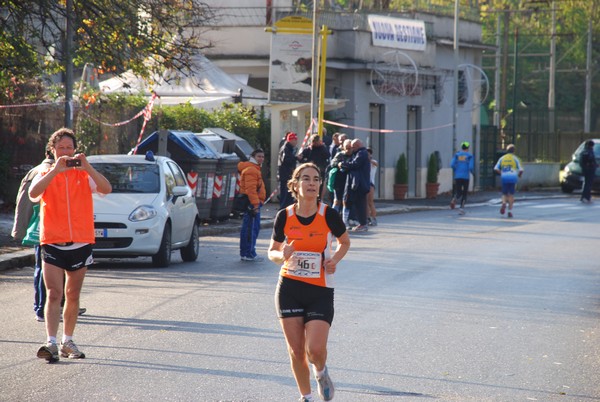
(300, 299)
(68, 259)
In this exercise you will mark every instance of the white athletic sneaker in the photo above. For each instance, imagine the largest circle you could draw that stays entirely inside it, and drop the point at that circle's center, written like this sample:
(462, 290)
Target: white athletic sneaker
(325, 386)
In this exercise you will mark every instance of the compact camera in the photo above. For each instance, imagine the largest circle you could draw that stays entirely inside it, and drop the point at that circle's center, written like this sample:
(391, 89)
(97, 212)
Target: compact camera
(73, 162)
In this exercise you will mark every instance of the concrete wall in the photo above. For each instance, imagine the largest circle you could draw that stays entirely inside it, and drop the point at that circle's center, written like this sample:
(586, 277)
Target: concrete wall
(538, 175)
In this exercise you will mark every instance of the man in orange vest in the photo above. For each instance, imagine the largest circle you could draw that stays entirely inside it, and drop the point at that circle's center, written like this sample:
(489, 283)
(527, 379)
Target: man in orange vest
(66, 236)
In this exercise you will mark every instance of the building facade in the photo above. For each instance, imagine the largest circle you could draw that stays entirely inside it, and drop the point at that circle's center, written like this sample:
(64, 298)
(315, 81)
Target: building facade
(390, 79)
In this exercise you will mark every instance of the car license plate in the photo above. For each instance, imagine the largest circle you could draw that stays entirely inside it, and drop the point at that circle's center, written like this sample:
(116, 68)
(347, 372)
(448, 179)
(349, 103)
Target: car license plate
(100, 232)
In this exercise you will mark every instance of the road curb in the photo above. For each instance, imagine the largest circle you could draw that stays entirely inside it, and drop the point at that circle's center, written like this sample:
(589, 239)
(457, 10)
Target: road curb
(17, 259)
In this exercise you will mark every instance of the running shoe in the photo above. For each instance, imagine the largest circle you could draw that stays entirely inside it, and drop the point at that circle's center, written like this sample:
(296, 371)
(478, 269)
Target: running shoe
(304, 399)
(372, 221)
(452, 203)
(502, 209)
(461, 211)
(325, 386)
(361, 228)
(510, 215)
(70, 350)
(253, 259)
(39, 318)
(49, 351)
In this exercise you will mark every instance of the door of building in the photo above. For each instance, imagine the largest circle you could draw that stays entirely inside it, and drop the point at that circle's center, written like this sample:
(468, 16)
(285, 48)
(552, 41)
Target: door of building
(376, 141)
(413, 151)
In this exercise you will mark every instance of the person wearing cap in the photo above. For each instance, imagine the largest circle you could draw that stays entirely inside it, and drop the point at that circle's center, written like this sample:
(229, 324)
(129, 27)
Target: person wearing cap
(510, 170)
(286, 164)
(462, 165)
(588, 167)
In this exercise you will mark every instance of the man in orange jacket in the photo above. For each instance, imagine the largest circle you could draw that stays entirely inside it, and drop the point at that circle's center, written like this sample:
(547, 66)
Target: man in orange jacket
(251, 184)
(66, 236)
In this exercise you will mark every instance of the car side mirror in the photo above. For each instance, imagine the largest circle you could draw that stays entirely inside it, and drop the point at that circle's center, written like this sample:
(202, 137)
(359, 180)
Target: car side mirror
(179, 191)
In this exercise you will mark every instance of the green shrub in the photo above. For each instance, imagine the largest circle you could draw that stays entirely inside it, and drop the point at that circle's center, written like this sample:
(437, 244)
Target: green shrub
(432, 169)
(401, 170)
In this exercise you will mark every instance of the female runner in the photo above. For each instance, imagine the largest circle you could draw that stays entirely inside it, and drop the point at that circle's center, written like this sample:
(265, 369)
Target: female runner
(302, 240)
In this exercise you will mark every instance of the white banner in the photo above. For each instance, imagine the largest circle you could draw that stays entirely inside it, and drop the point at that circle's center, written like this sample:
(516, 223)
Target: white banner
(290, 70)
(398, 33)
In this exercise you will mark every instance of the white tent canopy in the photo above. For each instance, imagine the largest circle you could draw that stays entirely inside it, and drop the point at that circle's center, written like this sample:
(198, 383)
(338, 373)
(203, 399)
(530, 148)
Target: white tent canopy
(209, 87)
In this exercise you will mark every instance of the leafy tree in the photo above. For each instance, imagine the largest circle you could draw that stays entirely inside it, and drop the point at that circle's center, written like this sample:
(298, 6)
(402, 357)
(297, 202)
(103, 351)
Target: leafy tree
(145, 36)
(534, 21)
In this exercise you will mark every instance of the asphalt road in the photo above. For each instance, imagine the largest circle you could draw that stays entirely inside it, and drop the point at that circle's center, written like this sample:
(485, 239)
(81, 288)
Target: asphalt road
(429, 306)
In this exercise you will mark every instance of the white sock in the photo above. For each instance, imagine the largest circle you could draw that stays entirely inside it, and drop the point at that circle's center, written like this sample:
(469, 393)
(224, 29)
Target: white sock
(67, 338)
(308, 397)
(317, 372)
(52, 339)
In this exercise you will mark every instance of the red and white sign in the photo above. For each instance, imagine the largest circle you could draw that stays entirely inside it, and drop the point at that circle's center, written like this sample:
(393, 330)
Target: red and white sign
(192, 179)
(218, 187)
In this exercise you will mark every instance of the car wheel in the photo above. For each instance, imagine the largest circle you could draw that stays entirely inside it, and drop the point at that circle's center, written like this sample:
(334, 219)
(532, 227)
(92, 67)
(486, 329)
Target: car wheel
(566, 188)
(190, 252)
(162, 259)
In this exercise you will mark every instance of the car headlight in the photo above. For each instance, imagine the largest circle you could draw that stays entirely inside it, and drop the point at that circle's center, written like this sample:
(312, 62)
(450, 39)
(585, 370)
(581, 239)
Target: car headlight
(142, 213)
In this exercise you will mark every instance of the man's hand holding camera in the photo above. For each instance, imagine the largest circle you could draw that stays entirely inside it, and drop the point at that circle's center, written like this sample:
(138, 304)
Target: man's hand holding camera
(77, 161)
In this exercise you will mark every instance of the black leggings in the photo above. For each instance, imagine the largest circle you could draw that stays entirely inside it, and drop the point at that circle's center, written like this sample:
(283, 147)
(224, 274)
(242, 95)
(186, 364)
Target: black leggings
(462, 189)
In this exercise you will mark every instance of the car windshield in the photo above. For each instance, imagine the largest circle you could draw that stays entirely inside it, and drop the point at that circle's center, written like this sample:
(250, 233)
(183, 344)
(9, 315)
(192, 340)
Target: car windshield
(131, 178)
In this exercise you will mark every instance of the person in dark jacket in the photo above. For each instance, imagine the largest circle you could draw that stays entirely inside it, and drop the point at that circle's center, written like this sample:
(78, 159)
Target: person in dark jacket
(318, 154)
(286, 164)
(588, 167)
(358, 184)
(339, 180)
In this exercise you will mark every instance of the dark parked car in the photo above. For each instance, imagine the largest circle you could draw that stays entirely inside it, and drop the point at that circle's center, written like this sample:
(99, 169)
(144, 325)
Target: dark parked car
(572, 178)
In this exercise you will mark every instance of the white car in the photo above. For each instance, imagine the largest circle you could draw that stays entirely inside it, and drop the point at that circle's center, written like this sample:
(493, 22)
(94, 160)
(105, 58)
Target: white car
(150, 212)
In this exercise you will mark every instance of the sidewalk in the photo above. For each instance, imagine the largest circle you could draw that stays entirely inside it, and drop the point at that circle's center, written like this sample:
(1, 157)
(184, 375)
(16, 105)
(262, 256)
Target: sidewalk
(13, 255)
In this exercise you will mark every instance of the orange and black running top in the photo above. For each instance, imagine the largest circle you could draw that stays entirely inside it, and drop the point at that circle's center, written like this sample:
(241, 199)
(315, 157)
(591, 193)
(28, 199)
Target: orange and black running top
(312, 237)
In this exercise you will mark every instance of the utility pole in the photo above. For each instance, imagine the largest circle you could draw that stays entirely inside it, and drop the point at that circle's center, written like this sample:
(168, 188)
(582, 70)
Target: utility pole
(314, 87)
(552, 78)
(498, 57)
(68, 59)
(504, 89)
(587, 113)
(515, 84)
(456, 58)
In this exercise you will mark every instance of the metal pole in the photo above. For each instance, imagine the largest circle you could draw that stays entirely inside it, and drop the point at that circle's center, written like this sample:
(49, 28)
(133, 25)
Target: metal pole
(588, 79)
(454, 103)
(515, 83)
(497, 74)
(552, 78)
(315, 65)
(68, 60)
(322, 76)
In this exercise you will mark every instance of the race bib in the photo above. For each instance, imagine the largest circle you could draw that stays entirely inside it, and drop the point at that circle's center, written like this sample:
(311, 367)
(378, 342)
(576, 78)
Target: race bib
(305, 264)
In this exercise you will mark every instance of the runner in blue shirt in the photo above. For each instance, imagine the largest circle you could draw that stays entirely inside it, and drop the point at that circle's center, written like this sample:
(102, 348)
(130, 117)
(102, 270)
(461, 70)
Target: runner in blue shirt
(462, 165)
(510, 170)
